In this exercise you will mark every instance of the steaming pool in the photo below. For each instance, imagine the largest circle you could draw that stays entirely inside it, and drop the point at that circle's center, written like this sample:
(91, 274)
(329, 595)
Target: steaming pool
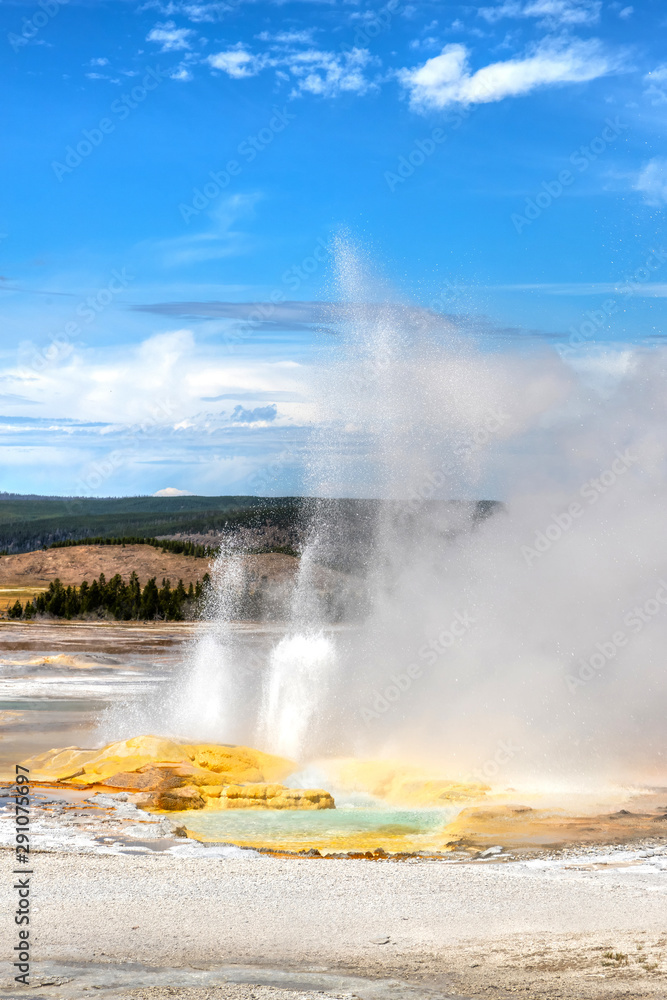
(344, 829)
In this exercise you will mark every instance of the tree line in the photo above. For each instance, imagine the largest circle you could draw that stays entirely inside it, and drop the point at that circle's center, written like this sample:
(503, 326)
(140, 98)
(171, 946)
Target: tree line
(116, 599)
(166, 544)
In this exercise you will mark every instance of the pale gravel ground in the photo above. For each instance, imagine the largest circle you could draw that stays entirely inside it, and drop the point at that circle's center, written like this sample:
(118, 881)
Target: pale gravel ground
(475, 930)
(229, 992)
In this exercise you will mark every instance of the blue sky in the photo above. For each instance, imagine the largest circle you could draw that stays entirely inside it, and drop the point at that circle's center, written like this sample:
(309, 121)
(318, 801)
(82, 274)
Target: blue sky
(166, 163)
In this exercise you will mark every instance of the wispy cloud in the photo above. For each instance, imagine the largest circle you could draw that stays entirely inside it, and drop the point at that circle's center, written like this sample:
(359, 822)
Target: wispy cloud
(657, 85)
(198, 13)
(287, 314)
(221, 239)
(279, 395)
(296, 316)
(169, 37)
(237, 62)
(648, 290)
(206, 11)
(446, 79)
(310, 70)
(329, 74)
(551, 13)
(182, 73)
(652, 181)
(304, 37)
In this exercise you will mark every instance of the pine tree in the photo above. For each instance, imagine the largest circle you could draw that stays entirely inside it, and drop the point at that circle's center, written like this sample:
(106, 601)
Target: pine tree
(16, 611)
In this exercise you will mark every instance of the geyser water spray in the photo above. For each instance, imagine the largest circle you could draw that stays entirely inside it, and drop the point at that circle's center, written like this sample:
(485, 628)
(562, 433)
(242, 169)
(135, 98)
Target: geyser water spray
(534, 624)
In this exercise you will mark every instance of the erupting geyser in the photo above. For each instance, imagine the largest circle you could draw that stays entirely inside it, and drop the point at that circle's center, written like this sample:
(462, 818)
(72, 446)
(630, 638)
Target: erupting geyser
(300, 671)
(524, 640)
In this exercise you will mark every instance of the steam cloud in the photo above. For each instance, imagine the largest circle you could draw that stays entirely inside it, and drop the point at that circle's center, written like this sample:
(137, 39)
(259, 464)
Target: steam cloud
(542, 627)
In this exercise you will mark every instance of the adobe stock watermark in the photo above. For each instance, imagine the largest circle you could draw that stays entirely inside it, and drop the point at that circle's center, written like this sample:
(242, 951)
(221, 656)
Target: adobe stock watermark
(376, 24)
(450, 293)
(264, 478)
(87, 310)
(99, 471)
(475, 441)
(421, 150)
(31, 26)
(383, 700)
(635, 620)
(505, 751)
(554, 189)
(293, 278)
(591, 491)
(248, 149)
(596, 319)
(424, 148)
(122, 107)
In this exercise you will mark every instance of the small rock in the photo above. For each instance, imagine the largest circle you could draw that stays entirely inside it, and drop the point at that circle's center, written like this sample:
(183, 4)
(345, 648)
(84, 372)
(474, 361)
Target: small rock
(491, 852)
(383, 939)
(187, 797)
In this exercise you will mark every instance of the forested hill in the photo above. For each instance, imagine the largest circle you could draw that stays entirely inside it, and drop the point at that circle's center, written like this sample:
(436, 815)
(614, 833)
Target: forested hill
(30, 522)
(265, 523)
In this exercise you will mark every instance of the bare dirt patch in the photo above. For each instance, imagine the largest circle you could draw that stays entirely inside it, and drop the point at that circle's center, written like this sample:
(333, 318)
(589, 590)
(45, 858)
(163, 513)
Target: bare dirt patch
(85, 562)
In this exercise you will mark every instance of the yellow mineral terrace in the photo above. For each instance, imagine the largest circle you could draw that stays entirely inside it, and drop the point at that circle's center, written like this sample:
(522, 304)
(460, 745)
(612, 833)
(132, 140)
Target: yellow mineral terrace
(179, 776)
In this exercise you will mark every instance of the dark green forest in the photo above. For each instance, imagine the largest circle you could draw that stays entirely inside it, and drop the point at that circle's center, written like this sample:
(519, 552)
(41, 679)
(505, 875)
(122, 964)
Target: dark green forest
(116, 599)
(32, 522)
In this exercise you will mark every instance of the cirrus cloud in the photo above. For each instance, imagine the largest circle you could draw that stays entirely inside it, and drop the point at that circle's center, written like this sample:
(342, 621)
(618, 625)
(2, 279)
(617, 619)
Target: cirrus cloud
(550, 12)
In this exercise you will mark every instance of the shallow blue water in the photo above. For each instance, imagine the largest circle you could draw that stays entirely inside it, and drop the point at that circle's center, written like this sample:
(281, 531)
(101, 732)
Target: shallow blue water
(336, 829)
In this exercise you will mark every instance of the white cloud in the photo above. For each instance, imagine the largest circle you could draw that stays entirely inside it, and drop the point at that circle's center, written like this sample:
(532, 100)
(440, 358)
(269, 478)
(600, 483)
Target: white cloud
(550, 12)
(164, 377)
(171, 38)
(181, 73)
(657, 81)
(329, 74)
(652, 181)
(626, 12)
(237, 62)
(313, 71)
(446, 79)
